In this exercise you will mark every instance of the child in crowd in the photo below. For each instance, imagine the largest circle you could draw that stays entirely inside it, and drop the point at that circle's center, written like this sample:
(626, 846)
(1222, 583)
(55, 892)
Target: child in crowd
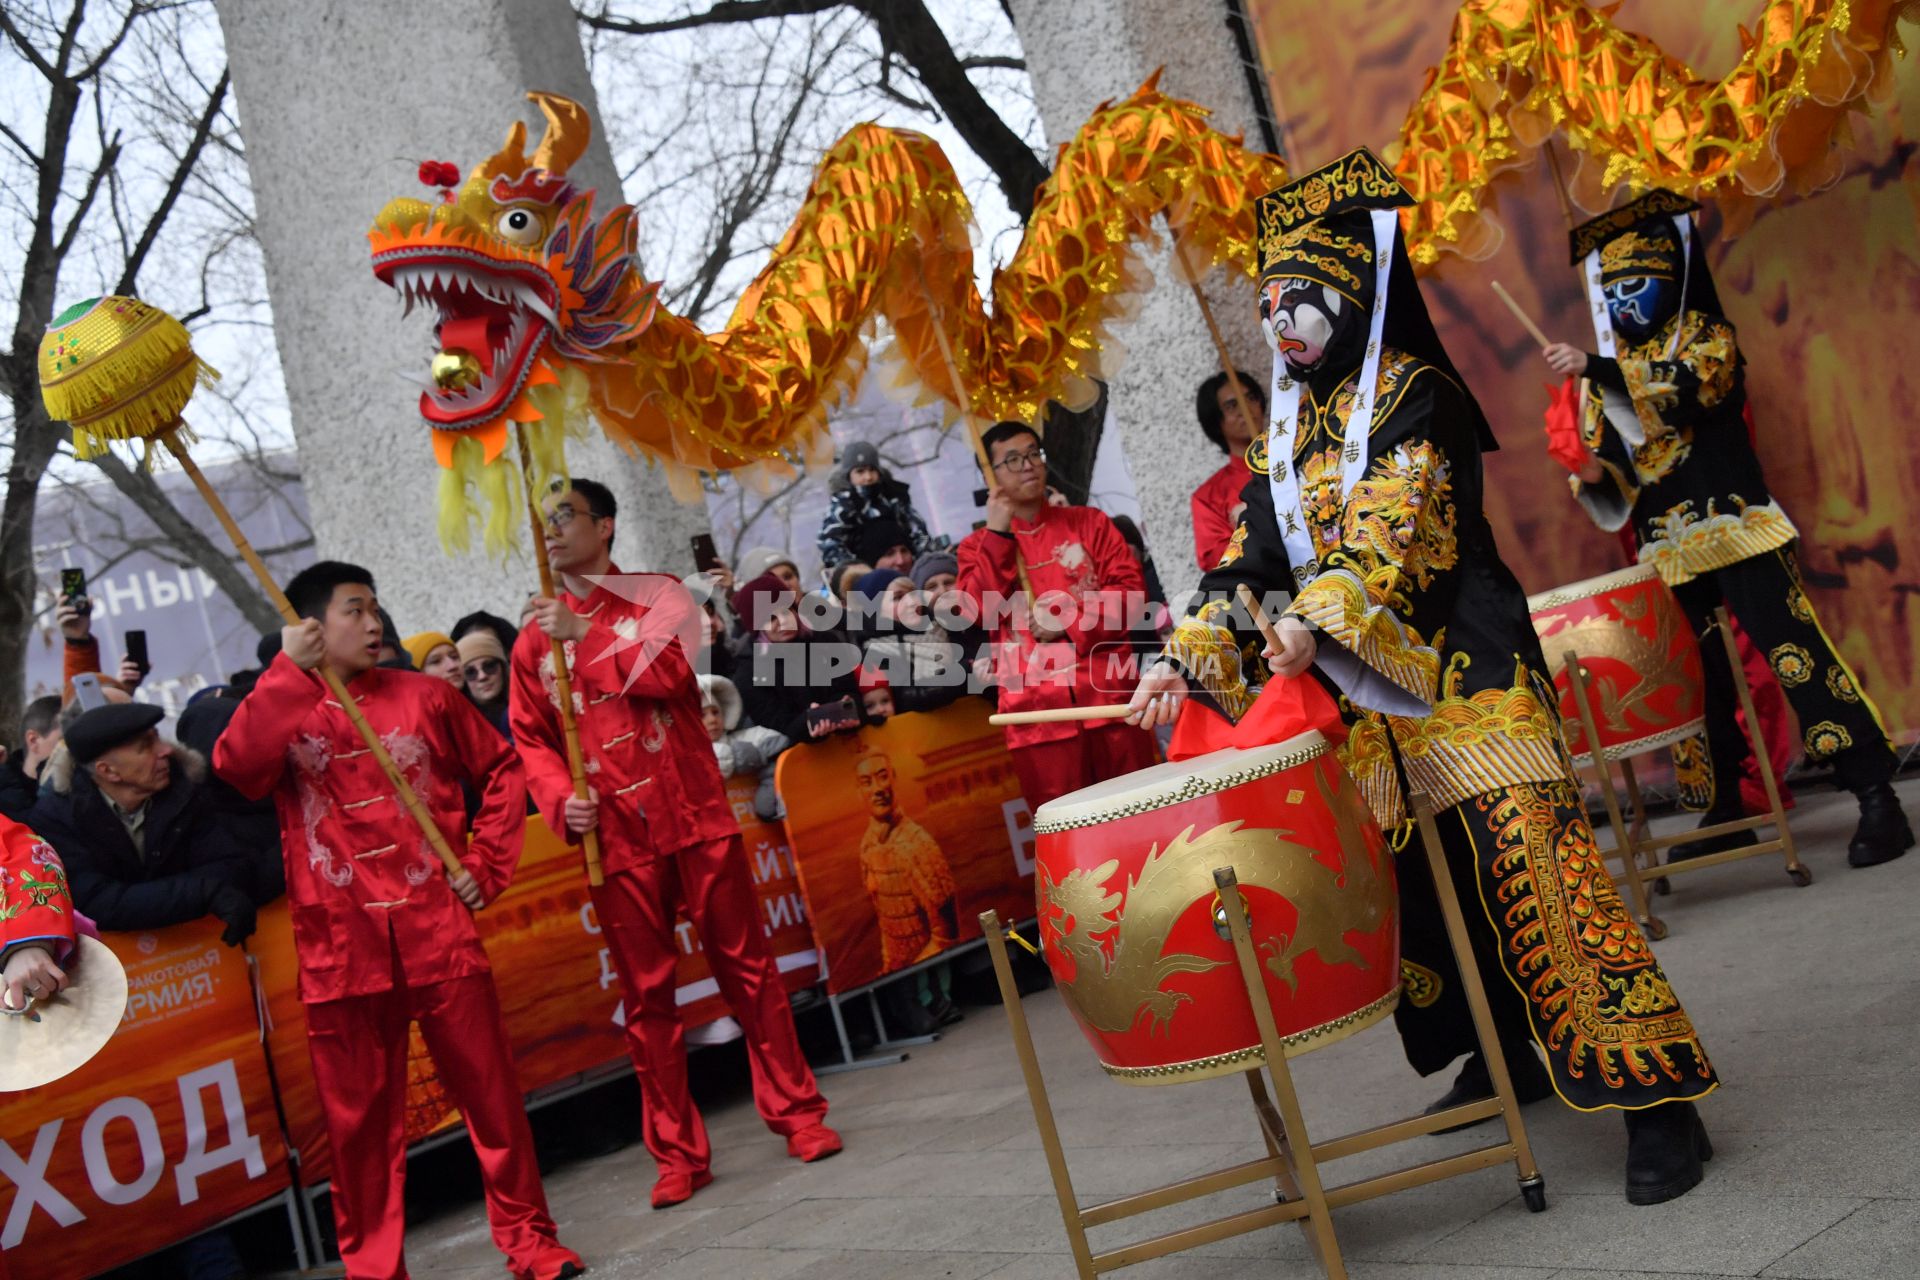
(876, 696)
(864, 494)
(742, 748)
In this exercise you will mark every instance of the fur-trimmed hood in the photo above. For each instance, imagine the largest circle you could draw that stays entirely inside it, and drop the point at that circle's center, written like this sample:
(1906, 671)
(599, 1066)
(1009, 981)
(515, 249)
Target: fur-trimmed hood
(57, 772)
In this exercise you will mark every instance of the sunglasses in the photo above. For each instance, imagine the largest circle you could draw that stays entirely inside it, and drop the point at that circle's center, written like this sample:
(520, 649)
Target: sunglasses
(481, 668)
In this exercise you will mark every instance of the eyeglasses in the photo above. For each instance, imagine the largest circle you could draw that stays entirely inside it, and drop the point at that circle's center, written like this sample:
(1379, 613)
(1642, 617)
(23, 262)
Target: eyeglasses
(564, 515)
(1022, 461)
(481, 668)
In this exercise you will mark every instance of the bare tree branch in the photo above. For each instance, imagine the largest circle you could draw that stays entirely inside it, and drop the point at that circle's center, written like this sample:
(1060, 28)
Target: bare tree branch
(724, 12)
(130, 276)
(194, 546)
(109, 156)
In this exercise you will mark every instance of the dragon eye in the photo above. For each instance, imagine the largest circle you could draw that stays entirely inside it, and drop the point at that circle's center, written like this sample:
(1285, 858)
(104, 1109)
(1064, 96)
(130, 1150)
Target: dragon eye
(518, 226)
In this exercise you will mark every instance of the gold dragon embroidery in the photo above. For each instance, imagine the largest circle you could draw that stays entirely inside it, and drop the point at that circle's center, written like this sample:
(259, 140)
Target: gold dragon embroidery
(1118, 940)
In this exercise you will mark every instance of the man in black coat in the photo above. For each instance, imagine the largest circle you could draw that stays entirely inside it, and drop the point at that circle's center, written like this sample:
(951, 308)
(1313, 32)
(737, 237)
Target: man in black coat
(143, 845)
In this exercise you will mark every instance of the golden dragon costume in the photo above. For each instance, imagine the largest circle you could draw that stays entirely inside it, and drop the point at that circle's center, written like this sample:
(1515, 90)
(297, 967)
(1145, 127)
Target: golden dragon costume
(545, 315)
(543, 311)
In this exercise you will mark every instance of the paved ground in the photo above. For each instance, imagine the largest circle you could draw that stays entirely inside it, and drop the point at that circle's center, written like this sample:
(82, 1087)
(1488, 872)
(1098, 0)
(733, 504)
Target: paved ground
(1808, 999)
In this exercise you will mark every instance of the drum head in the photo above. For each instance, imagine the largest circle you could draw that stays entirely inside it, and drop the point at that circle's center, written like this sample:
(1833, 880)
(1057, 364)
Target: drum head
(57, 1036)
(1587, 588)
(1175, 781)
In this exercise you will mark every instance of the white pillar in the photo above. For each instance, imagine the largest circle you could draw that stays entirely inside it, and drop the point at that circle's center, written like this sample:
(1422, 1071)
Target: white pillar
(338, 104)
(1079, 53)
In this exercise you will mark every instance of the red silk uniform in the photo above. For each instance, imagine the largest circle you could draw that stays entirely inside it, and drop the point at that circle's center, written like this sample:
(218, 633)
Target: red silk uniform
(382, 940)
(35, 908)
(1075, 551)
(668, 839)
(1213, 504)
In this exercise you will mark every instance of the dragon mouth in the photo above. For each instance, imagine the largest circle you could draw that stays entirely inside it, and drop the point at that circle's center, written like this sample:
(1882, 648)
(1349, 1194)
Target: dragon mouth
(491, 329)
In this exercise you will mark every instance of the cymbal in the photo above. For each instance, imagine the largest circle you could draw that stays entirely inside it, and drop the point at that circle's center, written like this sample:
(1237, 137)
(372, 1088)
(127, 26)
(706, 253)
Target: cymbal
(60, 1034)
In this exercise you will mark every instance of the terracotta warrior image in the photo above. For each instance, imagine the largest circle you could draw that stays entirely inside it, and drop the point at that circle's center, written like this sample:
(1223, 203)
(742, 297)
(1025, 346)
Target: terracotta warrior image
(905, 873)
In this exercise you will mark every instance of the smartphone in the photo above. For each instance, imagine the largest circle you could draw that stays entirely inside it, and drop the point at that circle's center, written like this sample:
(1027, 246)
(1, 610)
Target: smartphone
(73, 584)
(705, 558)
(137, 651)
(979, 497)
(833, 715)
(87, 691)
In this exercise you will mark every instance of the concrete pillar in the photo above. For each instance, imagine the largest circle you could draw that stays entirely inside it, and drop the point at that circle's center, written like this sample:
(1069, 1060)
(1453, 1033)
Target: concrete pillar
(1080, 53)
(339, 101)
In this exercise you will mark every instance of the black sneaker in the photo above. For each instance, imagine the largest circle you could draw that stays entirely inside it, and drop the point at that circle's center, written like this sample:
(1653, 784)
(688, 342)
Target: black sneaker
(1531, 1083)
(1666, 1147)
(1884, 833)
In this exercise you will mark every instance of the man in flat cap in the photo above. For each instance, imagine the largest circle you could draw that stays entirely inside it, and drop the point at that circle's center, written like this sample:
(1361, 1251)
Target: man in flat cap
(124, 808)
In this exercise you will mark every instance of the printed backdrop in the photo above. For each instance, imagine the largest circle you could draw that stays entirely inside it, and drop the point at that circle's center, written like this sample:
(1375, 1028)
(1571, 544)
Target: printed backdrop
(1825, 292)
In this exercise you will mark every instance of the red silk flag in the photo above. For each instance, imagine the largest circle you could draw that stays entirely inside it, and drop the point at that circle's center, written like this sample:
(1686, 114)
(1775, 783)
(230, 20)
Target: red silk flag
(1286, 708)
(1564, 445)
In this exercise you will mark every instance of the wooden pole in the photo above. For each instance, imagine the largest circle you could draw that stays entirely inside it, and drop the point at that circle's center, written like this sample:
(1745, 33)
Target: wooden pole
(335, 686)
(1560, 184)
(1525, 319)
(1219, 343)
(967, 419)
(562, 678)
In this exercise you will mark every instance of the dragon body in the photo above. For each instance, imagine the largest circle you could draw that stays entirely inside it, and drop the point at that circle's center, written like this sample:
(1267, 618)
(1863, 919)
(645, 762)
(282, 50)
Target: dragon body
(544, 313)
(546, 317)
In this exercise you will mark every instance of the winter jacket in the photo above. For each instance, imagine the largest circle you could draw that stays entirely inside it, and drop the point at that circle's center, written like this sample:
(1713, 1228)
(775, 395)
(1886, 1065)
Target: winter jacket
(744, 748)
(780, 682)
(18, 792)
(926, 670)
(191, 852)
(852, 508)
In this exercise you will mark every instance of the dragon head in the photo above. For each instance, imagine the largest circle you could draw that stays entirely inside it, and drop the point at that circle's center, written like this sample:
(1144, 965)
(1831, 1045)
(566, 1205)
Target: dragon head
(524, 279)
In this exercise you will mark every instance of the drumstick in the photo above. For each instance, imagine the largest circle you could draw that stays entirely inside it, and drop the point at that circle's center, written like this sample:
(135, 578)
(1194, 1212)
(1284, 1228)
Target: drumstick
(1055, 714)
(1521, 316)
(1267, 630)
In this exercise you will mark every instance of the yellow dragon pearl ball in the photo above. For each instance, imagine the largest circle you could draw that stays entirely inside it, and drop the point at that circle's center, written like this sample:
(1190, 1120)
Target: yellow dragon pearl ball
(455, 369)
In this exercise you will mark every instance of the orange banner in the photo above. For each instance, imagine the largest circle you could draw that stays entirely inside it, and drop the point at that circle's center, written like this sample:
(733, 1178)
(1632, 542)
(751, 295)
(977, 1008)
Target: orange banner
(168, 1131)
(558, 990)
(903, 835)
(1825, 293)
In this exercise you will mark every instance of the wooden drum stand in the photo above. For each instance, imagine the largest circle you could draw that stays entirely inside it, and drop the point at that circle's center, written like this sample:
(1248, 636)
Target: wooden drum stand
(1639, 853)
(1293, 1160)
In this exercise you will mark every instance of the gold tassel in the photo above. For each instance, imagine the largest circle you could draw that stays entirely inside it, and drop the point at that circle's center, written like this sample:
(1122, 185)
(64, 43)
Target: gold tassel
(118, 369)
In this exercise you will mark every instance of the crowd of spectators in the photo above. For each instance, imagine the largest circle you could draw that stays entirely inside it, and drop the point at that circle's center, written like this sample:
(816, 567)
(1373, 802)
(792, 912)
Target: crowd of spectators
(152, 838)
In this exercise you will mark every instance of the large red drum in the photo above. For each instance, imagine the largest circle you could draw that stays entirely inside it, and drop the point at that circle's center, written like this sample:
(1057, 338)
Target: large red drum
(1136, 936)
(1640, 656)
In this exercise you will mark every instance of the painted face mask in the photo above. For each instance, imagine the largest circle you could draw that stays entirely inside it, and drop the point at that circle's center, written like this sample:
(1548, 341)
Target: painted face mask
(1638, 306)
(1300, 319)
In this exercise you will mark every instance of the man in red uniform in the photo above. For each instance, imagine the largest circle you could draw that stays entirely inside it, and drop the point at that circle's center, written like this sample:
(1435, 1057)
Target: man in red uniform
(383, 935)
(1216, 503)
(36, 923)
(1067, 646)
(668, 836)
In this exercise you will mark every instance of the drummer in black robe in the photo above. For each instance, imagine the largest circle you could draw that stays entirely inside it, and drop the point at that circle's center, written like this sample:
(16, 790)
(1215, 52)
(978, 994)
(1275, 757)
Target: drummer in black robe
(1665, 418)
(1366, 505)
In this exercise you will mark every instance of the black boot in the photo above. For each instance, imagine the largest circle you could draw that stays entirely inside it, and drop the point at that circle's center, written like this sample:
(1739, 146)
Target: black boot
(1531, 1083)
(1666, 1145)
(1883, 833)
(1717, 844)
